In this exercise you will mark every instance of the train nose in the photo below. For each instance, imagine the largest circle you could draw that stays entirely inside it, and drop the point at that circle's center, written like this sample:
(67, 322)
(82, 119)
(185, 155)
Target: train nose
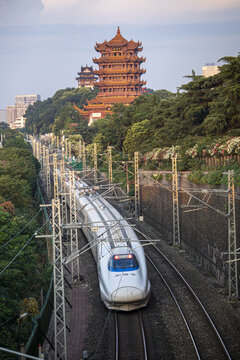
(127, 294)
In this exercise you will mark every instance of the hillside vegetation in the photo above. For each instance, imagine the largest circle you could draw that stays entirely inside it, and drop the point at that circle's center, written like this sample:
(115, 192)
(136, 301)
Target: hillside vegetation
(24, 269)
(204, 108)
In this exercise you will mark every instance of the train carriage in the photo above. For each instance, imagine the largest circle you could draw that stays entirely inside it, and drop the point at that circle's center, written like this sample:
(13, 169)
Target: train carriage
(121, 264)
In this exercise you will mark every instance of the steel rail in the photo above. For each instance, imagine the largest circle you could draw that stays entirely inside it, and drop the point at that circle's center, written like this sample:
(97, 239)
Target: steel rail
(213, 326)
(143, 336)
(178, 306)
(117, 335)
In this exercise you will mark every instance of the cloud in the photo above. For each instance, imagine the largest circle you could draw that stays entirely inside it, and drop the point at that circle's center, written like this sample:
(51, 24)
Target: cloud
(99, 12)
(116, 12)
(20, 12)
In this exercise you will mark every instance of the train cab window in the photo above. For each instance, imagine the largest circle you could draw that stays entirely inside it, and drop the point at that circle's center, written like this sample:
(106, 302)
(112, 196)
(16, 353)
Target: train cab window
(123, 262)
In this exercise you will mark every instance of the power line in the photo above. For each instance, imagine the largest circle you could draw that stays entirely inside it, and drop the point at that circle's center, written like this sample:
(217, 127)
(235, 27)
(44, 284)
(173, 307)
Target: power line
(23, 248)
(14, 237)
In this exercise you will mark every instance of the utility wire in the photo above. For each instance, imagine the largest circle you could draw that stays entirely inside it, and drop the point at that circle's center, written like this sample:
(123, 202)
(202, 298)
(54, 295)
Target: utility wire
(14, 237)
(23, 247)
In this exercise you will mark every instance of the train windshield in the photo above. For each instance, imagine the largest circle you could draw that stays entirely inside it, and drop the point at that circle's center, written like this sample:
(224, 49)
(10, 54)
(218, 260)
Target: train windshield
(123, 262)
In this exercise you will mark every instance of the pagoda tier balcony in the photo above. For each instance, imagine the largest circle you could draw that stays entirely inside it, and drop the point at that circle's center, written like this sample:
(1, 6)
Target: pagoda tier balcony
(111, 98)
(120, 83)
(118, 59)
(117, 94)
(119, 71)
(89, 78)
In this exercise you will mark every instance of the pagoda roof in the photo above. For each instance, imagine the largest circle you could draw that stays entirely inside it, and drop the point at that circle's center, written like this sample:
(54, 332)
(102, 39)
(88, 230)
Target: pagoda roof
(117, 40)
(86, 68)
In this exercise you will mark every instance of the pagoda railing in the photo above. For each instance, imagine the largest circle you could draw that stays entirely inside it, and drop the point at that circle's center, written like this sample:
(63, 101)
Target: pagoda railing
(120, 83)
(119, 71)
(124, 94)
(120, 59)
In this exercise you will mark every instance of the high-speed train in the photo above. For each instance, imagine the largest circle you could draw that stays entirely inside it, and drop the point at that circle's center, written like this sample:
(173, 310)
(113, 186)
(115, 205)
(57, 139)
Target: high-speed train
(121, 264)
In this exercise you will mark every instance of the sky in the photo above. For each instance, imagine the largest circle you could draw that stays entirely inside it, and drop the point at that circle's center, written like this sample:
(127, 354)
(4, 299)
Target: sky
(44, 43)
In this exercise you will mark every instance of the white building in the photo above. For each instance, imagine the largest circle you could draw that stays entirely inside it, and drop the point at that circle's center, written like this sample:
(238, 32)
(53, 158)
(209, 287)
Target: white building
(18, 110)
(19, 123)
(210, 70)
(27, 99)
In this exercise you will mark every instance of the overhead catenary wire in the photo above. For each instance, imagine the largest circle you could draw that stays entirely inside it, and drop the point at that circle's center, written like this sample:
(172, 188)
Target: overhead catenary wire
(23, 247)
(14, 237)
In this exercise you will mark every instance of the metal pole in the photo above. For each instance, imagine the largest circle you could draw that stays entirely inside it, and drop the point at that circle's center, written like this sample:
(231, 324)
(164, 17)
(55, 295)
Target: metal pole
(55, 177)
(66, 148)
(73, 232)
(128, 184)
(83, 158)
(40, 153)
(110, 179)
(43, 168)
(34, 147)
(95, 162)
(69, 150)
(63, 192)
(79, 150)
(59, 295)
(137, 193)
(48, 174)
(37, 150)
(176, 226)
(20, 354)
(232, 239)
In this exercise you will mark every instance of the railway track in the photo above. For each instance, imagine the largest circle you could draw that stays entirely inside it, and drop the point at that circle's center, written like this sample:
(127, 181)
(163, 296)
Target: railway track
(206, 340)
(130, 342)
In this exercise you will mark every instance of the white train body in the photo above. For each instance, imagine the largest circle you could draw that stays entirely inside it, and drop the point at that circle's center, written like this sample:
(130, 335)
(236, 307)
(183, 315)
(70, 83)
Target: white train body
(121, 264)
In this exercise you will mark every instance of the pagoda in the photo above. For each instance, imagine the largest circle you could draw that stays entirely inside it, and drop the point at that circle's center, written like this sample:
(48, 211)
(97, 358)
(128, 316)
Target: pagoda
(86, 77)
(119, 76)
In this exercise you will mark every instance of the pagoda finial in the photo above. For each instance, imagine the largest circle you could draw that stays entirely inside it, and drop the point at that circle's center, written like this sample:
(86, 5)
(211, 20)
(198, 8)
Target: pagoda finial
(118, 31)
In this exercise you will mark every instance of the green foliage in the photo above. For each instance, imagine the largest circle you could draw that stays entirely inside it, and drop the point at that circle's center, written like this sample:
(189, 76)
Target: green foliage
(29, 272)
(202, 108)
(3, 126)
(56, 112)
(15, 190)
(18, 172)
(212, 177)
(137, 136)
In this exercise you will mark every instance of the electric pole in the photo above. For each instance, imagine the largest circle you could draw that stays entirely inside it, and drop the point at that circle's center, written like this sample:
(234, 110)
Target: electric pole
(110, 179)
(232, 239)
(137, 188)
(176, 225)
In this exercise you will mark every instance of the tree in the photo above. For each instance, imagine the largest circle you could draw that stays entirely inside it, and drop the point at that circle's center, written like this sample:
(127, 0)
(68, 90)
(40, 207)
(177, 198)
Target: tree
(138, 137)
